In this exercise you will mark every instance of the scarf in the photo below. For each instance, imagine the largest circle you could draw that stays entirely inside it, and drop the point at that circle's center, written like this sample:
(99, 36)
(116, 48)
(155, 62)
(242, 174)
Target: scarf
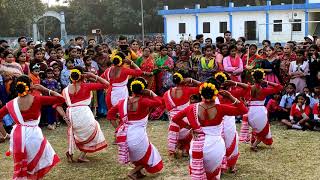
(161, 60)
(121, 135)
(206, 66)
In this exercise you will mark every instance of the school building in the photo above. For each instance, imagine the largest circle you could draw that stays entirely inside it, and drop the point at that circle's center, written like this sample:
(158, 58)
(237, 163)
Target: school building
(278, 23)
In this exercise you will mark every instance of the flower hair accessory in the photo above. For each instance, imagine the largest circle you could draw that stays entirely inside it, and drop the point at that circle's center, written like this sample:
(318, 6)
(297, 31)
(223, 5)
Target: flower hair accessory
(113, 57)
(137, 82)
(259, 70)
(222, 75)
(75, 71)
(179, 75)
(26, 89)
(210, 86)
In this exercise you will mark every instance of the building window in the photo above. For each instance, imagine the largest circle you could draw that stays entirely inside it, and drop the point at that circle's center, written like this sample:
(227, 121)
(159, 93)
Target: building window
(296, 26)
(206, 27)
(277, 26)
(182, 28)
(250, 30)
(223, 27)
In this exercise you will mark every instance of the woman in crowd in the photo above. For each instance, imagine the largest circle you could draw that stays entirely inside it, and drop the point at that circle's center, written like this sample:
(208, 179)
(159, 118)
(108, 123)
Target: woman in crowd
(132, 139)
(10, 66)
(298, 70)
(232, 64)
(207, 64)
(22, 60)
(83, 130)
(134, 45)
(177, 99)
(271, 65)
(251, 60)
(32, 154)
(146, 63)
(285, 60)
(257, 115)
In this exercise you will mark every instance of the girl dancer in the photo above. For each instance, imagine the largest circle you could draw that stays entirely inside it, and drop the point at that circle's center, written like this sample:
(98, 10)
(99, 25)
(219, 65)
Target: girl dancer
(176, 99)
(83, 130)
(229, 132)
(257, 115)
(132, 139)
(33, 155)
(204, 118)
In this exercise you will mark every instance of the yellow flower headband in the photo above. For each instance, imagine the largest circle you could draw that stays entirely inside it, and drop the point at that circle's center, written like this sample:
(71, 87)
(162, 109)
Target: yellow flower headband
(75, 71)
(137, 82)
(26, 89)
(117, 57)
(259, 70)
(210, 86)
(222, 75)
(179, 75)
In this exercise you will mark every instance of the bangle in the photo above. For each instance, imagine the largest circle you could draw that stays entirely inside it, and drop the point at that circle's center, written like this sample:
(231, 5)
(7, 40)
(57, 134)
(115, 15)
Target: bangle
(49, 92)
(191, 81)
(236, 84)
(96, 78)
(235, 101)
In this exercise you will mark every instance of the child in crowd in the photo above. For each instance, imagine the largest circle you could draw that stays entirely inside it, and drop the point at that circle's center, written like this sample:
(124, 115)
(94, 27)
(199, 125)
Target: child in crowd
(56, 76)
(65, 73)
(89, 68)
(35, 76)
(315, 122)
(300, 113)
(50, 112)
(273, 107)
(287, 101)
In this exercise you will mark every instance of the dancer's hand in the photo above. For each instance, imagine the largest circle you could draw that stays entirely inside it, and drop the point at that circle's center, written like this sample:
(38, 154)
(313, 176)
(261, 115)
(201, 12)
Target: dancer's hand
(225, 93)
(39, 87)
(229, 83)
(88, 75)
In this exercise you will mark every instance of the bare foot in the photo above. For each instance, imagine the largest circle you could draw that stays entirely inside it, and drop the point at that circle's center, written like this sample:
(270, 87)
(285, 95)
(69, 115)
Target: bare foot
(69, 157)
(254, 148)
(132, 176)
(233, 169)
(83, 160)
(140, 174)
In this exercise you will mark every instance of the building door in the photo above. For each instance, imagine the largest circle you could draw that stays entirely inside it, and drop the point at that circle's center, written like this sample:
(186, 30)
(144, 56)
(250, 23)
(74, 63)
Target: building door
(250, 30)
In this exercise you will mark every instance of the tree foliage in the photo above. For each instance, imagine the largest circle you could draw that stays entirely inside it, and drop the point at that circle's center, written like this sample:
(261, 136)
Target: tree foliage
(120, 16)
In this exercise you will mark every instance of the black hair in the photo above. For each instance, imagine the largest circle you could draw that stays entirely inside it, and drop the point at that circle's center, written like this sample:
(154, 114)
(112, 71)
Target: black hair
(57, 46)
(266, 41)
(3, 41)
(49, 44)
(176, 79)
(277, 43)
(38, 46)
(36, 51)
(69, 60)
(49, 69)
(257, 76)
(116, 61)
(136, 88)
(209, 39)
(86, 57)
(307, 99)
(163, 47)
(253, 45)
(300, 51)
(133, 40)
(121, 37)
(272, 48)
(207, 47)
(313, 46)
(199, 36)
(29, 42)
(292, 84)
(6, 53)
(146, 48)
(208, 93)
(91, 40)
(18, 55)
(74, 75)
(232, 47)
(78, 38)
(243, 39)
(219, 39)
(50, 50)
(22, 37)
(221, 79)
(20, 88)
(226, 32)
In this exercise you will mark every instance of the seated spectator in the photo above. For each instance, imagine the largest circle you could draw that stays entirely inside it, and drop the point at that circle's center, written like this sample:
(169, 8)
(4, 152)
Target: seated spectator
(299, 114)
(10, 66)
(273, 107)
(287, 101)
(315, 122)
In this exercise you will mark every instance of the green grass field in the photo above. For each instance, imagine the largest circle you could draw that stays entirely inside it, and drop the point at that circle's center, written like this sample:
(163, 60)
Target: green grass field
(294, 155)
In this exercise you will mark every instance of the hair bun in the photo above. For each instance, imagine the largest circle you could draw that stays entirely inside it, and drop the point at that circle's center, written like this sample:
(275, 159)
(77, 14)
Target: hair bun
(137, 86)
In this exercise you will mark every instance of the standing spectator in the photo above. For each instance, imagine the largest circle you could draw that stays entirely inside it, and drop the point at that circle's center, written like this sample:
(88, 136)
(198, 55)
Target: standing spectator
(207, 65)
(79, 41)
(298, 70)
(271, 65)
(285, 60)
(22, 43)
(21, 59)
(65, 73)
(227, 37)
(55, 41)
(232, 64)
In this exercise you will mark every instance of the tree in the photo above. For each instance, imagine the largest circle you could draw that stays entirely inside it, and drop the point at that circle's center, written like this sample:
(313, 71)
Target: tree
(16, 16)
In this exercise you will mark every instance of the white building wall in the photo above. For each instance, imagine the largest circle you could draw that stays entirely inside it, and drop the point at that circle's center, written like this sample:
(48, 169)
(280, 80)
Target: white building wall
(173, 26)
(285, 35)
(239, 19)
(214, 20)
